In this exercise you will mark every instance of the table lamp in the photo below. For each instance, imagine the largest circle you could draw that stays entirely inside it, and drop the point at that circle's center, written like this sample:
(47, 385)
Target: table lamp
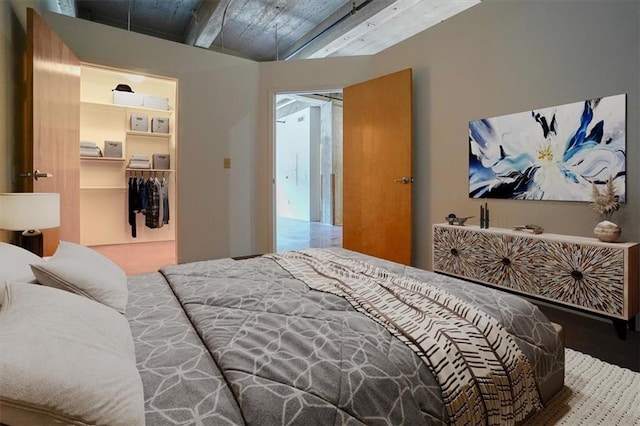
(30, 212)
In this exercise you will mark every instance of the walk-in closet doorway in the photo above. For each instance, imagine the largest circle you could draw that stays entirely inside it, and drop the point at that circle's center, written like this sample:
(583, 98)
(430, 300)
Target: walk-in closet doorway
(128, 129)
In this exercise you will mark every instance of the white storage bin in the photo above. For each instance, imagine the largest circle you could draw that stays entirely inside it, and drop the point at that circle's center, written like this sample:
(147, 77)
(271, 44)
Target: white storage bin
(127, 98)
(155, 102)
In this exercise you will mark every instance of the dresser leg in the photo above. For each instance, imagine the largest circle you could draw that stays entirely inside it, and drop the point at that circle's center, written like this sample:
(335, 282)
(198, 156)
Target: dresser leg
(632, 323)
(621, 328)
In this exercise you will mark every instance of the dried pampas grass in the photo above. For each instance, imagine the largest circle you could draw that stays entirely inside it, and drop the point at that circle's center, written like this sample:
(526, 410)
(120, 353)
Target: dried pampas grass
(605, 203)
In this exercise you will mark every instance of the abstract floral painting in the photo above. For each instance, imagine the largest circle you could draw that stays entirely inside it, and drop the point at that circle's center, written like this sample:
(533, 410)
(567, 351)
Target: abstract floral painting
(554, 153)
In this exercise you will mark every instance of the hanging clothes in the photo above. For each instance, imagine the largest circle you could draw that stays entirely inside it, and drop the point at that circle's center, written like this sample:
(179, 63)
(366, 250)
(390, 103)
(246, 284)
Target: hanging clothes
(135, 197)
(152, 215)
(165, 200)
(133, 205)
(160, 202)
(142, 195)
(151, 198)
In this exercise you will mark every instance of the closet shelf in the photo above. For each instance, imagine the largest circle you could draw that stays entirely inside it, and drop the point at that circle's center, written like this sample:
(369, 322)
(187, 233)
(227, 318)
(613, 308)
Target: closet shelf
(100, 159)
(127, 108)
(149, 134)
(101, 188)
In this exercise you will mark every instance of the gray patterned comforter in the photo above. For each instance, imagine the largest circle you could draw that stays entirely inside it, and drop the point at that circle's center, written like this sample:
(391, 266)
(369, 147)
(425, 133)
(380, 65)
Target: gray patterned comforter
(242, 342)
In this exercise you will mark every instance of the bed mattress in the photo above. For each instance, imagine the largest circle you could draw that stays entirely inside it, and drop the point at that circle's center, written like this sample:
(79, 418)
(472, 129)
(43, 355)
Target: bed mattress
(244, 342)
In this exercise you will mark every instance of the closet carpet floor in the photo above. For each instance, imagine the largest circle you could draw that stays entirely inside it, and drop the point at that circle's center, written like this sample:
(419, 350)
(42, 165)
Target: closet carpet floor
(140, 258)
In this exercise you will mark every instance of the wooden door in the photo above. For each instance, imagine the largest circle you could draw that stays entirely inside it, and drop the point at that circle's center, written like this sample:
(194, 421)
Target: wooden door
(377, 156)
(52, 127)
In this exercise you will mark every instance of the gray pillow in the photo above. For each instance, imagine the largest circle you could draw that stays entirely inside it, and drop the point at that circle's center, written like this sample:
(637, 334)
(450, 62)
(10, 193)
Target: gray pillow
(66, 359)
(14, 263)
(84, 271)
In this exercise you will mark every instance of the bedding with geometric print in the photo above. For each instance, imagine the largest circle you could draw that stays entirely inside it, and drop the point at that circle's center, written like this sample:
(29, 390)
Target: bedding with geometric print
(244, 342)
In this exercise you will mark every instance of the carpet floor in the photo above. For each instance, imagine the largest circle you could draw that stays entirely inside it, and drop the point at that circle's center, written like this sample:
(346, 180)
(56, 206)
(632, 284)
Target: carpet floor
(594, 393)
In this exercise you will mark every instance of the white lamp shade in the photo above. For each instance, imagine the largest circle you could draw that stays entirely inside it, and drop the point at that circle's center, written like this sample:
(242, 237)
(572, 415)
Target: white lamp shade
(25, 211)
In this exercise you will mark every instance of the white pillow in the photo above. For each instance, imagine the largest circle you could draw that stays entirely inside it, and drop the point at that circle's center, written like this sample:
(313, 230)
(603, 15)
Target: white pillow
(14, 263)
(84, 271)
(66, 360)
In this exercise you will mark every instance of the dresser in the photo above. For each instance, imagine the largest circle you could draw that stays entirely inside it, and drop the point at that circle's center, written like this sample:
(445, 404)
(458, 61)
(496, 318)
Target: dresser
(576, 272)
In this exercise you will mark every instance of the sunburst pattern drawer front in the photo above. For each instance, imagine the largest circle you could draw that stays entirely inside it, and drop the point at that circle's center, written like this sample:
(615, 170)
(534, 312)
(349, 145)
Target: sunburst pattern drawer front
(583, 275)
(455, 252)
(508, 261)
(574, 271)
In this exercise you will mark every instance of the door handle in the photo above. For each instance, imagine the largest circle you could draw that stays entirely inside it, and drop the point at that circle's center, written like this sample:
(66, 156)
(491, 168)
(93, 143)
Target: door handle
(404, 179)
(38, 174)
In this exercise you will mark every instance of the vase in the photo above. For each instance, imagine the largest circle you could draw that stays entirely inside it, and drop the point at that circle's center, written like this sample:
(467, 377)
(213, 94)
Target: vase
(607, 231)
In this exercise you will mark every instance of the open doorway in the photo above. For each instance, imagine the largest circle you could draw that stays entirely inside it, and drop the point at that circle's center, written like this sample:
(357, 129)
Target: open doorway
(308, 170)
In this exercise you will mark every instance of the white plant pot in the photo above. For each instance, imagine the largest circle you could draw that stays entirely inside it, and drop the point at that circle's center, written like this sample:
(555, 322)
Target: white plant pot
(607, 231)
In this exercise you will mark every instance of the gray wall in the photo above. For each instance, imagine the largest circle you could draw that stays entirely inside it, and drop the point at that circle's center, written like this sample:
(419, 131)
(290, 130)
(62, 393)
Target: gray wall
(217, 109)
(331, 148)
(501, 57)
(496, 58)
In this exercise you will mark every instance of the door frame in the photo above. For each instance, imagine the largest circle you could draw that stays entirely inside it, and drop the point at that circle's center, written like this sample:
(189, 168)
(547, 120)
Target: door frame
(273, 94)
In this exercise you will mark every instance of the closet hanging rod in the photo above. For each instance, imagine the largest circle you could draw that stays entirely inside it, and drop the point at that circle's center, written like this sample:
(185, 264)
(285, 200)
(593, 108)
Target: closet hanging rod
(156, 172)
(128, 169)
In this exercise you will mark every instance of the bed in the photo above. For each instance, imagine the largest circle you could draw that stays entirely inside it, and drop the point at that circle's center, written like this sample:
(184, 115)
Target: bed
(242, 341)
(281, 339)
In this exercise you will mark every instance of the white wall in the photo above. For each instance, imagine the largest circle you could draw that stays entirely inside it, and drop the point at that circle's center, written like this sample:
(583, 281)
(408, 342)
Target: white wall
(298, 165)
(315, 208)
(293, 165)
